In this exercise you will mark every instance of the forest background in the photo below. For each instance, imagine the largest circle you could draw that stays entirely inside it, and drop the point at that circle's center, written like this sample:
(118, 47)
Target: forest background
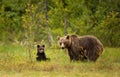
(32, 21)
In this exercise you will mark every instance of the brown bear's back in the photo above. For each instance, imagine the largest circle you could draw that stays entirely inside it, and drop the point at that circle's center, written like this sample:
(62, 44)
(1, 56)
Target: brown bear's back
(89, 41)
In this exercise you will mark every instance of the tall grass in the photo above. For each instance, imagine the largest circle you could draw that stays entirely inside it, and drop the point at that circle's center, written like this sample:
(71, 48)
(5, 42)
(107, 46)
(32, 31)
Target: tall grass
(14, 61)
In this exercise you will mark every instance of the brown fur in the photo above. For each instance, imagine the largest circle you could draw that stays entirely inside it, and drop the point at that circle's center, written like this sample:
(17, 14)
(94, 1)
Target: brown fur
(81, 48)
(41, 56)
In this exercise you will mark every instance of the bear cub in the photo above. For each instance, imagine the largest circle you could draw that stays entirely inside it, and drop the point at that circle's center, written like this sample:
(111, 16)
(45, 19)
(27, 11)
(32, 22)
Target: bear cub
(41, 56)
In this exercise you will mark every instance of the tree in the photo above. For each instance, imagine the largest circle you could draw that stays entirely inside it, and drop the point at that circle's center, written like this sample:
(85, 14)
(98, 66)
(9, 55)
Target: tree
(50, 38)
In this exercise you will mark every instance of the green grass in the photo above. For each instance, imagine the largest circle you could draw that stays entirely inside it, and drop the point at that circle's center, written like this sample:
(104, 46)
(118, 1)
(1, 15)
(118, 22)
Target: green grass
(14, 62)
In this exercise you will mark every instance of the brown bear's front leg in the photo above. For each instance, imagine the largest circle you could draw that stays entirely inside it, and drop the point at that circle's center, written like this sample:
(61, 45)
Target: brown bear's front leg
(72, 55)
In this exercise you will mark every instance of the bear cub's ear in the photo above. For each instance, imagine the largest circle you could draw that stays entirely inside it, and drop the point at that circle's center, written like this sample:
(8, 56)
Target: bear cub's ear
(38, 46)
(43, 45)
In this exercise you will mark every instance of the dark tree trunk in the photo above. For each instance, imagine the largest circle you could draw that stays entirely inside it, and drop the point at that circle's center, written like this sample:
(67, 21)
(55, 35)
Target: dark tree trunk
(65, 19)
(50, 38)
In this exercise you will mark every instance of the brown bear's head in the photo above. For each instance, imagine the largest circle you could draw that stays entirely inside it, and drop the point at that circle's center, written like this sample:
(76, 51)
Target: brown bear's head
(40, 49)
(64, 42)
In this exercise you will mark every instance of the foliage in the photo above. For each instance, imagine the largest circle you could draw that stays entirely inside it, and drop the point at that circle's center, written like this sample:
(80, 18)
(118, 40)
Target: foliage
(94, 17)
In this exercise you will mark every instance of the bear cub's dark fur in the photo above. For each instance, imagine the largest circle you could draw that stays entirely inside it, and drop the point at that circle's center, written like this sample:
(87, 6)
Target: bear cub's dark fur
(41, 56)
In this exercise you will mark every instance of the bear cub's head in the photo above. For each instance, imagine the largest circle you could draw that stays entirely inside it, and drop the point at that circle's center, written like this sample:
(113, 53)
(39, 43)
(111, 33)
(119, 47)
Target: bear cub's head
(40, 49)
(64, 42)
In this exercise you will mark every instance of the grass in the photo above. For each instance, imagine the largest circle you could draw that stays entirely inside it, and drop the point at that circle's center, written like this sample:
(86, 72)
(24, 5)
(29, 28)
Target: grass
(14, 62)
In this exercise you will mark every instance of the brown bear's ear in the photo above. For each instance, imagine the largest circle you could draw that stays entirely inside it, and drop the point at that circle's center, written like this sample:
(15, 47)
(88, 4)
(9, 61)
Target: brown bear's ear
(58, 37)
(67, 37)
(38, 46)
(43, 45)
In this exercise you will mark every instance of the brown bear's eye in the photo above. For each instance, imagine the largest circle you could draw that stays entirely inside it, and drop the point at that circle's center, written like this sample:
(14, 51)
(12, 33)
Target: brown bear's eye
(60, 43)
(64, 43)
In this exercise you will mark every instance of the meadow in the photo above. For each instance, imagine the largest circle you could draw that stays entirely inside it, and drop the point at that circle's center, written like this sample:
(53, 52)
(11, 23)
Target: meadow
(15, 62)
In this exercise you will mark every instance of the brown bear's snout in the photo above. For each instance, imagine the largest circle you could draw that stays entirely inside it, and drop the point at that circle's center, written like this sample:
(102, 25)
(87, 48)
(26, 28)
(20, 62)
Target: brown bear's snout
(63, 48)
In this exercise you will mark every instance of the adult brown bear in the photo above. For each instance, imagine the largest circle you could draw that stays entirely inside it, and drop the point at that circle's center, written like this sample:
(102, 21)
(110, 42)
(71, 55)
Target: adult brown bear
(82, 48)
